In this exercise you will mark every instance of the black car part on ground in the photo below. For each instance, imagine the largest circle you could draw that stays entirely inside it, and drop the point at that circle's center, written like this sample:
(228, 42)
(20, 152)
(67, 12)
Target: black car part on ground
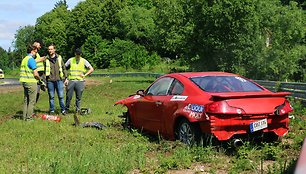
(96, 125)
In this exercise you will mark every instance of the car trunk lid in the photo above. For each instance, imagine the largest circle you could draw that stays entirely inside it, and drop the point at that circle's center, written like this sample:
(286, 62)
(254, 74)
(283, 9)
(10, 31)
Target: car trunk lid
(253, 103)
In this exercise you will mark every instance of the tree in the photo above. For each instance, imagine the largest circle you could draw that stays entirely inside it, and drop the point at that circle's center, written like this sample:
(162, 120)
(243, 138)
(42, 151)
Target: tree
(96, 51)
(94, 17)
(61, 3)
(231, 35)
(4, 61)
(23, 37)
(52, 28)
(137, 24)
(173, 25)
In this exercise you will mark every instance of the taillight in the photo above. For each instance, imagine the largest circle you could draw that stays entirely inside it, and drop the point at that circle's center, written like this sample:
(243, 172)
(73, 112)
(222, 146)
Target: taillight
(222, 107)
(283, 108)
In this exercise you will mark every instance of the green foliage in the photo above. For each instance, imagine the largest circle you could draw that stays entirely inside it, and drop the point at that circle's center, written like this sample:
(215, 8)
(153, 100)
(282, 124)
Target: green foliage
(127, 54)
(257, 39)
(96, 51)
(271, 152)
(24, 37)
(4, 59)
(52, 27)
(174, 24)
(230, 33)
(137, 24)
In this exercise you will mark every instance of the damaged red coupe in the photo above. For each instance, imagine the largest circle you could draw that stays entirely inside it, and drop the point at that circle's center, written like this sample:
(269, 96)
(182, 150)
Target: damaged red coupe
(225, 106)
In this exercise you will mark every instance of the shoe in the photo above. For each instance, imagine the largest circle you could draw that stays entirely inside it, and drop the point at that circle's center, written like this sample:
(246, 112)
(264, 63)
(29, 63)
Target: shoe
(29, 119)
(64, 113)
(51, 112)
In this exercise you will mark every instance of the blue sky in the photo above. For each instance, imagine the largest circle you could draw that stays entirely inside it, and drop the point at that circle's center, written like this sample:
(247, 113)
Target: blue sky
(19, 13)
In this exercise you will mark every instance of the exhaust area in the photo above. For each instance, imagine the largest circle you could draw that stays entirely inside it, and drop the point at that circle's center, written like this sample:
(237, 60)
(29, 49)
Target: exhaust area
(237, 142)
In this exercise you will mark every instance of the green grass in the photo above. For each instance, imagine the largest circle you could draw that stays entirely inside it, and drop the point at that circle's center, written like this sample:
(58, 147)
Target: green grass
(48, 147)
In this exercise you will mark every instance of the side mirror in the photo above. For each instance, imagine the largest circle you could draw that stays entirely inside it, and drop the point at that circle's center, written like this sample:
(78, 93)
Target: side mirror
(140, 92)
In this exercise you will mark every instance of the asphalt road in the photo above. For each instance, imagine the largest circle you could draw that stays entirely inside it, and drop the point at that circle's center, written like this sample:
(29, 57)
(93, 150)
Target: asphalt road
(9, 82)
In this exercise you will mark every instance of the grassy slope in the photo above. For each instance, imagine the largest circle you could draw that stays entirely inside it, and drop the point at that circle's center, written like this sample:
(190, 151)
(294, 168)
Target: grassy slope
(48, 147)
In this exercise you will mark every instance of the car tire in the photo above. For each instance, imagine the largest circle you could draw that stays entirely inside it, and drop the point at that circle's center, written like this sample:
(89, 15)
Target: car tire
(127, 121)
(188, 133)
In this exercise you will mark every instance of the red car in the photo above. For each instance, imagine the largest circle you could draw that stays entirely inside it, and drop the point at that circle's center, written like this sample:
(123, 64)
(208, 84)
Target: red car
(190, 106)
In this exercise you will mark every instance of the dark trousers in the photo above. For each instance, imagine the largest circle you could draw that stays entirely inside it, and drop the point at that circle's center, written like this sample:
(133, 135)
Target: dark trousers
(77, 87)
(43, 78)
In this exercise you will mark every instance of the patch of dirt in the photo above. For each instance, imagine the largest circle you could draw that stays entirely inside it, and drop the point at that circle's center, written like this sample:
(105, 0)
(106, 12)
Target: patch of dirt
(91, 82)
(5, 118)
(8, 89)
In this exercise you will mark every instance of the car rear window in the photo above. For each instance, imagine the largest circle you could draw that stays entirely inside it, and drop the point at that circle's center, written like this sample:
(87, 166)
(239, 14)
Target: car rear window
(225, 84)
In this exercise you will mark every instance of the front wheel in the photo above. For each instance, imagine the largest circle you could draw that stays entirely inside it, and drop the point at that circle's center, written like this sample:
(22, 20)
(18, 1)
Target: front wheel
(188, 133)
(127, 124)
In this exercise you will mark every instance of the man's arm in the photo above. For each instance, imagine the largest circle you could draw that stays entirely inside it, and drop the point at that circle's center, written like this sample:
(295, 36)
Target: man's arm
(41, 59)
(89, 71)
(32, 65)
(36, 75)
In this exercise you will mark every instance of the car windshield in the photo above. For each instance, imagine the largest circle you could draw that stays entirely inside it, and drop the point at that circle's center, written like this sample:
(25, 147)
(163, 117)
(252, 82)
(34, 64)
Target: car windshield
(225, 84)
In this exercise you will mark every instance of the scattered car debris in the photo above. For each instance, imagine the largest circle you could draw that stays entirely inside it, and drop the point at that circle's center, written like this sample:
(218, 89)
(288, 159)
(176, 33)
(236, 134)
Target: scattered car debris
(94, 124)
(85, 111)
(51, 117)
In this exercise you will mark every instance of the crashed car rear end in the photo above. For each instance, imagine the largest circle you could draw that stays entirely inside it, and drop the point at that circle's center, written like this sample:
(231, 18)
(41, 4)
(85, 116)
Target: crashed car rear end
(231, 116)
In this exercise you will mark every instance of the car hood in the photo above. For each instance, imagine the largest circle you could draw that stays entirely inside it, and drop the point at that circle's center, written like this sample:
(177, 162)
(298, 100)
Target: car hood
(128, 100)
(254, 103)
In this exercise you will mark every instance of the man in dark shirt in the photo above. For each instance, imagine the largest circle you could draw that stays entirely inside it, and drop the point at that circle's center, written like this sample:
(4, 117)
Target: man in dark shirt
(56, 74)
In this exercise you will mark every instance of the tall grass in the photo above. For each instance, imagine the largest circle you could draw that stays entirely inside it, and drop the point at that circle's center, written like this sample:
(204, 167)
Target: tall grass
(48, 147)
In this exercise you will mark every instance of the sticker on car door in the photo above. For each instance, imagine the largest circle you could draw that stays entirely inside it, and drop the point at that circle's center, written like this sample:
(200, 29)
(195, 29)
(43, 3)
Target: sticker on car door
(178, 98)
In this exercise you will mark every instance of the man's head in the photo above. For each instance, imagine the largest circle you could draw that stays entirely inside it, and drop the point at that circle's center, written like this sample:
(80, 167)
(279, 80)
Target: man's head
(78, 51)
(38, 43)
(32, 49)
(51, 49)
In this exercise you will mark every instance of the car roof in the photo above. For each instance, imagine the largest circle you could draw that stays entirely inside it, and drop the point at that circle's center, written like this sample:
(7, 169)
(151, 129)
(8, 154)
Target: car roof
(199, 74)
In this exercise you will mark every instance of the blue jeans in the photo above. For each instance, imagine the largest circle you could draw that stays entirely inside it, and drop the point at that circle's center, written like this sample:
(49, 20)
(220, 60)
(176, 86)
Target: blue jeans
(59, 87)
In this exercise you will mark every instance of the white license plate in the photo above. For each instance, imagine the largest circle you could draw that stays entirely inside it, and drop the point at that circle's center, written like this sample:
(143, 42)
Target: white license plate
(259, 125)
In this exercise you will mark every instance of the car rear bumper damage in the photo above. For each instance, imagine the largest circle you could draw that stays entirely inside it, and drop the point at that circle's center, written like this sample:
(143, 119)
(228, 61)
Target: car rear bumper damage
(225, 127)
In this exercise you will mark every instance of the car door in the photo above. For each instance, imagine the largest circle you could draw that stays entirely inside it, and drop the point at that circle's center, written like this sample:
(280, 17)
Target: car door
(149, 109)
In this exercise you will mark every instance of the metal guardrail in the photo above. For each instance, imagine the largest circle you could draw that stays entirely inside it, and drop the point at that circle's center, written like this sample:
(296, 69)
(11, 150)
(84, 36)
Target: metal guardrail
(133, 74)
(298, 90)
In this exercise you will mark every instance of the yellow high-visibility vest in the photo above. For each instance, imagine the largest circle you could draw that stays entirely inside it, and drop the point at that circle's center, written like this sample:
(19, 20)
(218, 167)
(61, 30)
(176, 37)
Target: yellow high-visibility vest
(26, 74)
(76, 69)
(39, 65)
(59, 60)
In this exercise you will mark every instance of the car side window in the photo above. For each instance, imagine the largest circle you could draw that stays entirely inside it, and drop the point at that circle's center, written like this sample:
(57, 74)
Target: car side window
(160, 87)
(177, 88)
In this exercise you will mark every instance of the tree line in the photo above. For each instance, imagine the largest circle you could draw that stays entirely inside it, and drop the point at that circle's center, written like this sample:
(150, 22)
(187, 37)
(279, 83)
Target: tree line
(260, 39)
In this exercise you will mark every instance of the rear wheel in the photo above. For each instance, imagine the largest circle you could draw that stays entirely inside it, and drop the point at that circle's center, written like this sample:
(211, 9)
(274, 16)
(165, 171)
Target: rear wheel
(188, 133)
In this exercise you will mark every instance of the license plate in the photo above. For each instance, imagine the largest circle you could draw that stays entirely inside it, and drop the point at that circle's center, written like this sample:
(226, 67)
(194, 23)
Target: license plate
(259, 125)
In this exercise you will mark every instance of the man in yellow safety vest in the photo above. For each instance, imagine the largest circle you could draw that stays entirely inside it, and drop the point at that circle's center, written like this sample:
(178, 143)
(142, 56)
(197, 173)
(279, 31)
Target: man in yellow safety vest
(28, 78)
(40, 68)
(56, 76)
(79, 69)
